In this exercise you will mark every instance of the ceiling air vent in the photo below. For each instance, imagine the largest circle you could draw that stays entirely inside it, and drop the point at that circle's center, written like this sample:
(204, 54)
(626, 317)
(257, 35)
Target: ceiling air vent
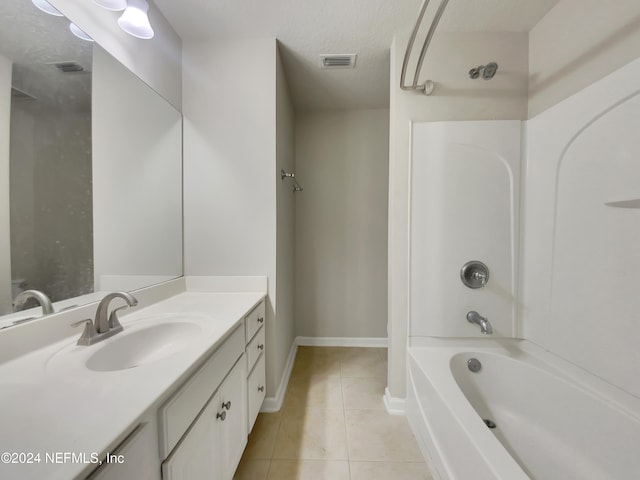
(69, 67)
(347, 60)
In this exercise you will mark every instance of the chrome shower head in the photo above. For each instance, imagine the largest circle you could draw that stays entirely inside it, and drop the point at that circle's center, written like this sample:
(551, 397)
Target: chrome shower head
(487, 71)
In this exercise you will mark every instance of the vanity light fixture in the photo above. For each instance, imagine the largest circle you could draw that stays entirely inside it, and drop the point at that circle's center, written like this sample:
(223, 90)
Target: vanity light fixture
(114, 5)
(79, 33)
(135, 21)
(46, 7)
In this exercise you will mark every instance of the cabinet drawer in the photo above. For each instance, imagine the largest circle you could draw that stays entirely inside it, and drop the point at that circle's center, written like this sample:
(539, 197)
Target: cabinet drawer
(176, 415)
(255, 348)
(254, 320)
(256, 390)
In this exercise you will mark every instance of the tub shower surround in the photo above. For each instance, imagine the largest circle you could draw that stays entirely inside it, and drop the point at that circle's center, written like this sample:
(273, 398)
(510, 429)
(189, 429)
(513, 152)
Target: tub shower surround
(565, 401)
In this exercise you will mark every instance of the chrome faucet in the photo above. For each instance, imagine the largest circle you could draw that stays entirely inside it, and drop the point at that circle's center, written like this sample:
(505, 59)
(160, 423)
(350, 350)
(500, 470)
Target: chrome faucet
(43, 300)
(104, 325)
(483, 322)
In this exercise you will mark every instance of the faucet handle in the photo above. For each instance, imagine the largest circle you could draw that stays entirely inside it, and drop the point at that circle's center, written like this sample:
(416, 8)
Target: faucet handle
(89, 333)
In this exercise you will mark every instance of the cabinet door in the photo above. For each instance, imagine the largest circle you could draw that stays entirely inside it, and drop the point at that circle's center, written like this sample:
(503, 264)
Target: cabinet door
(233, 430)
(256, 391)
(198, 454)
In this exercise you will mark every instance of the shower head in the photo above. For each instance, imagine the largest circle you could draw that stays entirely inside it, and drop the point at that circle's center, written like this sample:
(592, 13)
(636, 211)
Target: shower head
(487, 71)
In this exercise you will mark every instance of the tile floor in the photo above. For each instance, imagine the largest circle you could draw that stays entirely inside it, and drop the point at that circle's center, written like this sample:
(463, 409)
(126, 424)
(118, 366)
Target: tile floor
(333, 424)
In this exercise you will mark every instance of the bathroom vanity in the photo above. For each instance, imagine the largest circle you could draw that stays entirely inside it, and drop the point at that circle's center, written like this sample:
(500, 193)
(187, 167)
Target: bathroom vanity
(174, 396)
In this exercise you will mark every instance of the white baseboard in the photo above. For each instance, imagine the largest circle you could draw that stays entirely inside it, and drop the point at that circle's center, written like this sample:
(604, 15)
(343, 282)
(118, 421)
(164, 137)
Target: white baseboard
(273, 404)
(394, 405)
(342, 341)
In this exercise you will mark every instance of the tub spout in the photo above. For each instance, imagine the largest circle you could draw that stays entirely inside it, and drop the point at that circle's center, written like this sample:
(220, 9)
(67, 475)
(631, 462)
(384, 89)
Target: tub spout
(482, 322)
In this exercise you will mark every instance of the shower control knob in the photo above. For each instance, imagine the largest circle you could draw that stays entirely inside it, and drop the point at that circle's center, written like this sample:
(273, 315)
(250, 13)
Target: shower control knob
(474, 274)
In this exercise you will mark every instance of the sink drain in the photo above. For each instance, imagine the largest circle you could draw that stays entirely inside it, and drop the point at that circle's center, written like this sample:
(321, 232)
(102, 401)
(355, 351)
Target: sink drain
(474, 365)
(489, 423)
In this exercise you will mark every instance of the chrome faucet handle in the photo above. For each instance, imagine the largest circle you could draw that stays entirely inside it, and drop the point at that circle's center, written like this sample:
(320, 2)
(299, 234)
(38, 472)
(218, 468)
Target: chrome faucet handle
(89, 333)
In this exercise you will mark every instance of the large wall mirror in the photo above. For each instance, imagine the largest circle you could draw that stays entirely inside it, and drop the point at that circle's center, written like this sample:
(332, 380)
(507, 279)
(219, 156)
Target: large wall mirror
(90, 167)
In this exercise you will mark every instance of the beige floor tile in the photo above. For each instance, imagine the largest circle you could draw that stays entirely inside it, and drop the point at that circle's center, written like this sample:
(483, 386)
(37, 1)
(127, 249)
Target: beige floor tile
(312, 434)
(314, 392)
(263, 436)
(376, 436)
(252, 470)
(304, 354)
(316, 366)
(389, 470)
(363, 393)
(308, 470)
(364, 364)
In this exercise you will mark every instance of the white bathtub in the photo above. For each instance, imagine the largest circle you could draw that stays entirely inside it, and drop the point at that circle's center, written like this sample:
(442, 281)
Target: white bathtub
(554, 420)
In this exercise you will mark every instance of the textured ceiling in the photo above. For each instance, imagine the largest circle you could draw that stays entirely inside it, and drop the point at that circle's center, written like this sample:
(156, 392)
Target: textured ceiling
(33, 41)
(307, 28)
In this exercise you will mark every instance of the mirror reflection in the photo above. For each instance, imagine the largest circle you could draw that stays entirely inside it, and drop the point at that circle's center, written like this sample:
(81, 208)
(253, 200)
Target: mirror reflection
(90, 167)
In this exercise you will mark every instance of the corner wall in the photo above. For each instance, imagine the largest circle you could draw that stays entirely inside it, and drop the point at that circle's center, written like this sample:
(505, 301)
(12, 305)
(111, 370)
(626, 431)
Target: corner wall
(341, 223)
(231, 170)
(456, 97)
(285, 237)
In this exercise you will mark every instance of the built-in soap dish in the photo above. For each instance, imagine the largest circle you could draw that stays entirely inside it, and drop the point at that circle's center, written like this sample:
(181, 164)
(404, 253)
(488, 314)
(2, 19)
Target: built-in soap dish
(633, 203)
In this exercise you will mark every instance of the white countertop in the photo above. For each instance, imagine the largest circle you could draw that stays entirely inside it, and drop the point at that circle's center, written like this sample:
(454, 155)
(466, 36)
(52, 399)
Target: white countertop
(47, 408)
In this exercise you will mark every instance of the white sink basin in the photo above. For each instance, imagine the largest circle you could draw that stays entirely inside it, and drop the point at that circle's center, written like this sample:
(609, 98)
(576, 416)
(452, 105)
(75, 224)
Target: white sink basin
(143, 342)
(143, 346)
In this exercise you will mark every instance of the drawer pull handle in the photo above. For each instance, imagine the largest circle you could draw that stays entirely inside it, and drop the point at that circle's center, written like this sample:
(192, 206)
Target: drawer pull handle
(261, 346)
(221, 415)
(260, 389)
(260, 319)
(227, 405)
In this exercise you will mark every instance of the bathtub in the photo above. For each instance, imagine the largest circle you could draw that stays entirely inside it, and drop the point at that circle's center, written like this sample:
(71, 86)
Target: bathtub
(552, 419)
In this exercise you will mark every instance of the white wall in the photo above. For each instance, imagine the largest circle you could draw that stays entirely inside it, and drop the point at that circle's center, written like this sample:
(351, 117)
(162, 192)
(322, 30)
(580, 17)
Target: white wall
(5, 239)
(457, 97)
(157, 61)
(577, 43)
(230, 168)
(341, 223)
(580, 256)
(285, 239)
(137, 168)
(465, 192)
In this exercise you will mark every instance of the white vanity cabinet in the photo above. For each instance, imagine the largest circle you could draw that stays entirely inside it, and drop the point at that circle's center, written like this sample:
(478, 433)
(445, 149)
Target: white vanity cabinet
(133, 458)
(203, 426)
(255, 356)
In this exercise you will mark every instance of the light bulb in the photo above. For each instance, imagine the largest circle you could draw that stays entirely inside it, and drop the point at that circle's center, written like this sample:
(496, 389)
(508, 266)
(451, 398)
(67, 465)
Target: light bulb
(46, 7)
(114, 5)
(79, 33)
(134, 20)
